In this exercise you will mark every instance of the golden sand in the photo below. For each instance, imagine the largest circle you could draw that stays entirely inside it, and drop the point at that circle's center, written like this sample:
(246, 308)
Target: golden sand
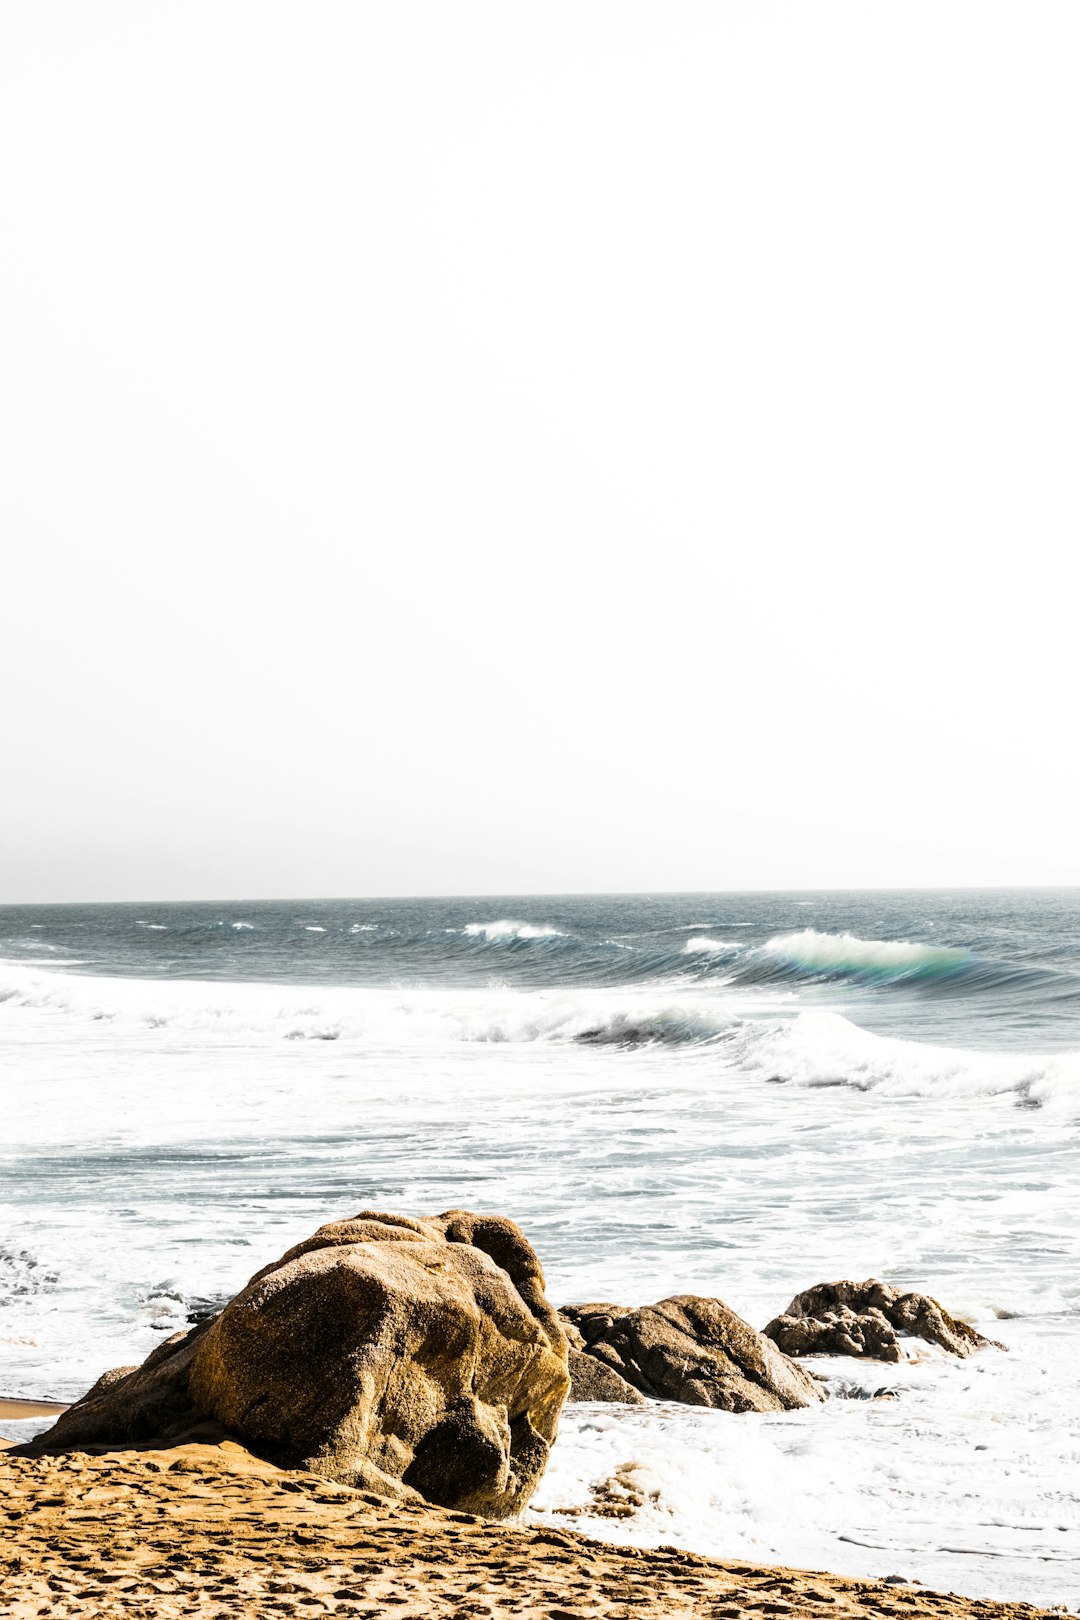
(210, 1530)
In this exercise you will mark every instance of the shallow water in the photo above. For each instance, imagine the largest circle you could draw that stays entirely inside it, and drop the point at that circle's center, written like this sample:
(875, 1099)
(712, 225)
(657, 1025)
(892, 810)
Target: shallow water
(833, 1085)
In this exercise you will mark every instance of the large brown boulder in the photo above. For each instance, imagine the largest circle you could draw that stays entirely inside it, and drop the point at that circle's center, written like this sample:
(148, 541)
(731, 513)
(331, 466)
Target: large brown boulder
(407, 1357)
(868, 1319)
(693, 1350)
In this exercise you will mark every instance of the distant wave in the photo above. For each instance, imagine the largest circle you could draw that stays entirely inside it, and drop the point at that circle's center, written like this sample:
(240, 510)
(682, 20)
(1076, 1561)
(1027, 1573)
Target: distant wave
(844, 955)
(507, 929)
(698, 956)
(196, 926)
(932, 970)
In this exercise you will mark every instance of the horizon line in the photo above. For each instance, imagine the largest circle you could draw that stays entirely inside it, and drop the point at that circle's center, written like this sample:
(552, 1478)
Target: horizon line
(559, 894)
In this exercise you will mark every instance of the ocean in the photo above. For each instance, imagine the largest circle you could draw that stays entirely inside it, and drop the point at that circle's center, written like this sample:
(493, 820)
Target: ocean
(729, 1094)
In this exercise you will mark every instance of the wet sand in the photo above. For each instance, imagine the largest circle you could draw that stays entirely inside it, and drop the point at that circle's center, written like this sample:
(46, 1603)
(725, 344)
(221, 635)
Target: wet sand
(208, 1529)
(14, 1409)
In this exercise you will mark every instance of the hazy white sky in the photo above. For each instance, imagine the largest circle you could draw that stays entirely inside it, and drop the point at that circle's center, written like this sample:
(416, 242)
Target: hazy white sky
(495, 447)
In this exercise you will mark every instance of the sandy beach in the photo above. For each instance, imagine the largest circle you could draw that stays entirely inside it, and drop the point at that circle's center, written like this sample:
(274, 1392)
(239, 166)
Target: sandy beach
(206, 1528)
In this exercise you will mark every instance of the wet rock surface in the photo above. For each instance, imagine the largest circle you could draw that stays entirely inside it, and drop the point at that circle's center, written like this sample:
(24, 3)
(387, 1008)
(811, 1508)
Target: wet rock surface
(868, 1319)
(591, 1380)
(695, 1350)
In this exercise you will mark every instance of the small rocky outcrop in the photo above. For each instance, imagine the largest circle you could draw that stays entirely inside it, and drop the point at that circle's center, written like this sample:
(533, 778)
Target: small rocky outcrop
(694, 1350)
(591, 1380)
(868, 1319)
(412, 1358)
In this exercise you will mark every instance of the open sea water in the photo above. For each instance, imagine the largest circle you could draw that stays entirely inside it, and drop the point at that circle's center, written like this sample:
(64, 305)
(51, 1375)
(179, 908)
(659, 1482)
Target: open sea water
(730, 1094)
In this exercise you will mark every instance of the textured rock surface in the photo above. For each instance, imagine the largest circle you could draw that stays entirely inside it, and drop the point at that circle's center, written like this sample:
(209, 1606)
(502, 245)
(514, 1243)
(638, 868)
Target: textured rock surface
(868, 1319)
(693, 1350)
(591, 1380)
(407, 1357)
(134, 1404)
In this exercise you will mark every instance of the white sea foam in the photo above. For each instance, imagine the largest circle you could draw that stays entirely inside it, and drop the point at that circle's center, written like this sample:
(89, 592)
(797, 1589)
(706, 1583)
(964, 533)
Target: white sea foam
(814, 1488)
(820, 1048)
(704, 944)
(813, 1049)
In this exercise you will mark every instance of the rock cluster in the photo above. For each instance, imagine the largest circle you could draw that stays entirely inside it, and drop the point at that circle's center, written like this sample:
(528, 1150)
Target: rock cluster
(419, 1359)
(684, 1349)
(590, 1379)
(412, 1358)
(868, 1319)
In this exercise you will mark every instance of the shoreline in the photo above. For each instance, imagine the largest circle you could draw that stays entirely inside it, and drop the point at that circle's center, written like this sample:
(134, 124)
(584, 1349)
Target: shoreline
(208, 1528)
(16, 1407)
(13, 1409)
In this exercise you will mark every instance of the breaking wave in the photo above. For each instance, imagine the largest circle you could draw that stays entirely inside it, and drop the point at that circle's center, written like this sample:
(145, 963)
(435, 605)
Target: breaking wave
(821, 1049)
(844, 955)
(506, 929)
(768, 1040)
(935, 972)
(407, 1017)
